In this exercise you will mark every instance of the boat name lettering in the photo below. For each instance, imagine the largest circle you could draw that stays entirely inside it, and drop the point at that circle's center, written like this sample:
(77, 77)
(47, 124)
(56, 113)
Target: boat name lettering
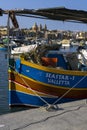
(59, 79)
(58, 82)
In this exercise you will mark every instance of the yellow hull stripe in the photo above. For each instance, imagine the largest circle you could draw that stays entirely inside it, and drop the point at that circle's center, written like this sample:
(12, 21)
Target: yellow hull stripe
(40, 83)
(23, 89)
(53, 70)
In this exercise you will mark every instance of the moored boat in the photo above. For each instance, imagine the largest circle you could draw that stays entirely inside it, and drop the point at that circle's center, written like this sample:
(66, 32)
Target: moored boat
(55, 77)
(52, 79)
(23, 49)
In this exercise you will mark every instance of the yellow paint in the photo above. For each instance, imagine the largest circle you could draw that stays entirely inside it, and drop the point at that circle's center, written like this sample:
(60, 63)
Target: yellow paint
(53, 70)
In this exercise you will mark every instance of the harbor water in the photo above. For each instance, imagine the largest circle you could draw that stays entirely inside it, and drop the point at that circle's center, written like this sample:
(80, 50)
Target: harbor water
(4, 95)
(3, 81)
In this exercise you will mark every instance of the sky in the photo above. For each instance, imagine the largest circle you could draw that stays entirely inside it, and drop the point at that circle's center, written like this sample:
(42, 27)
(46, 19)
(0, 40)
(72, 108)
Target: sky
(36, 4)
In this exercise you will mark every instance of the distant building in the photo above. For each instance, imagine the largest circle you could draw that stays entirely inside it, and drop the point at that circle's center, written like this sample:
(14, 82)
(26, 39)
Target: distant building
(39, 31)
(81, 35)
(40, 27)
(3, 30)
(36, 28)
(45, 27)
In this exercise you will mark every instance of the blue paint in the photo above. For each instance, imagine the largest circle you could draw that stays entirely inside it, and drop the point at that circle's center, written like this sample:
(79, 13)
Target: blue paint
(3, 49)
(17, 65)
(40, 75)
(18, 98)
(61, 61)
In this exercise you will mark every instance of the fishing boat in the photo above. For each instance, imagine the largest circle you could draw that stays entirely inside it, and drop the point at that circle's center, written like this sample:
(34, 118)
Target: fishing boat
(48, 76)
(22, 49)
(51, 79)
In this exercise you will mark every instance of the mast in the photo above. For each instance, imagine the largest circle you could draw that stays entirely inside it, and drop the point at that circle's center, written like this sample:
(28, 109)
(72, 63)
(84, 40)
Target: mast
(8, 36)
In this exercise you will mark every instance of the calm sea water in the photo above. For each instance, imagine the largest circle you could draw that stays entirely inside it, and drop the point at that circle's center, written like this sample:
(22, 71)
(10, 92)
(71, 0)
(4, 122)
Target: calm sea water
(4, 102)
(4, 96)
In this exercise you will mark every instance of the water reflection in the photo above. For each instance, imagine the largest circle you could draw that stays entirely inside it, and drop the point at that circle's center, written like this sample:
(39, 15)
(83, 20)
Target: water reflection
(4, 103)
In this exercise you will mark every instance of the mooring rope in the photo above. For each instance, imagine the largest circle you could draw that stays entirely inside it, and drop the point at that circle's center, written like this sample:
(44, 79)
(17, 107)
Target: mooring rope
(32, 89)
(58, 98)
(69, 90)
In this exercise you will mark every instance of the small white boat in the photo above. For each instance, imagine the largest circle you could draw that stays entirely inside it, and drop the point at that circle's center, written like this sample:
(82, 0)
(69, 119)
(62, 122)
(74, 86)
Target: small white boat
(23, 49)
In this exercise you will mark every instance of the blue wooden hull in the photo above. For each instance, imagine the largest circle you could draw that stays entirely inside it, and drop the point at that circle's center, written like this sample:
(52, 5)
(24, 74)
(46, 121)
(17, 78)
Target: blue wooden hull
(66, 78)
(20, 99)
(35, 85)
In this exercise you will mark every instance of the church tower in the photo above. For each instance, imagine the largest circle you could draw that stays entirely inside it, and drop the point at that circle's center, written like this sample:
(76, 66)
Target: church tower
(45, 27)
(35, 27)
(40, 27)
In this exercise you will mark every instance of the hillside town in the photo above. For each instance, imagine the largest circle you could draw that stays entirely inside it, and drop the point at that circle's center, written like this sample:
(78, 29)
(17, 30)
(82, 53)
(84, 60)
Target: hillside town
(41, 32)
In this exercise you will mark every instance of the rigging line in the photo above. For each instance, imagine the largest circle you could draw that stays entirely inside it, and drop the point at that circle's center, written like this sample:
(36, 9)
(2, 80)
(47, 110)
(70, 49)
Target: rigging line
(70, 89)
(31, 88)
(34, 91)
